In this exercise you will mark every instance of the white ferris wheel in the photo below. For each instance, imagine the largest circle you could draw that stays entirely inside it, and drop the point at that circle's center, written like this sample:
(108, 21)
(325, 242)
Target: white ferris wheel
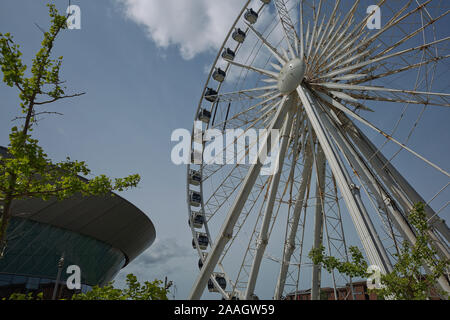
(315, 71)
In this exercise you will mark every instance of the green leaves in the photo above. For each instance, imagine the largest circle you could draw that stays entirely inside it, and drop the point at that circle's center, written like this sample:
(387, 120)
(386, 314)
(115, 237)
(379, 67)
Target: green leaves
(408, 280)
(23, 296)
(355, 268)
(134, 291)
(11, 64)
(37, 176)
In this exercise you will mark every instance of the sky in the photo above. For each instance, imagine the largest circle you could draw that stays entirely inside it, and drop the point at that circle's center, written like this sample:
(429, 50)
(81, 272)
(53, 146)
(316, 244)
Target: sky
(142, 64)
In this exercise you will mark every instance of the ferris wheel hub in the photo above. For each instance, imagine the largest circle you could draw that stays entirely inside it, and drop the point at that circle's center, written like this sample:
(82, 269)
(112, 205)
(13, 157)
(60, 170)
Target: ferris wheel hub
(291, 75)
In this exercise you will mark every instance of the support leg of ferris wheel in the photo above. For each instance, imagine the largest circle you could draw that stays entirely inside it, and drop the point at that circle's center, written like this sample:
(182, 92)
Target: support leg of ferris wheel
(366, 174)
(263, 234)
(374, 252)
(387, 266)
(399, 220)
(299, 205)
(318, 220)
(398, 185)
(226, 232)
(372, 181)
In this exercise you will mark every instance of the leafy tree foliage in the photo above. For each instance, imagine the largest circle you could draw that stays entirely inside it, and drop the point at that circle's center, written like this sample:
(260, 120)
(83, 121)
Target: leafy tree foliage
(134, 291)
(23, 296)
(407, 281)
(27, 171)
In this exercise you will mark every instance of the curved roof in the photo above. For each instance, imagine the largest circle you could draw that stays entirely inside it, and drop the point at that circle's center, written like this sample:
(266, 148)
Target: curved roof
(110, 219)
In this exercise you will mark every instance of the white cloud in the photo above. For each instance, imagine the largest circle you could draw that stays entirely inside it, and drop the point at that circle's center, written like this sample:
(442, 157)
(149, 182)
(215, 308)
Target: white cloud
(195, 26)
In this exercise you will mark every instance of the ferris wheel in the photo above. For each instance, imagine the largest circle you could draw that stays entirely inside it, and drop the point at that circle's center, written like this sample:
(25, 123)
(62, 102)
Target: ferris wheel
(347, 98)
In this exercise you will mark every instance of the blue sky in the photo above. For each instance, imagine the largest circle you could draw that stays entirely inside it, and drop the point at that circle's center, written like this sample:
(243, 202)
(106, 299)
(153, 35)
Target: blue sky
(143, 74)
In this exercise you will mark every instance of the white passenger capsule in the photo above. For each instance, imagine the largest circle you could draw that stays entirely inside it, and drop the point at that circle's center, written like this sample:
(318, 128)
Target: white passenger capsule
(197, 219)
(228, 54)
(202, 239)
(251, 16)
(211, 95)
(195, 199)
(219, 75)
(239, 35)
(204, 116)
(221, 281)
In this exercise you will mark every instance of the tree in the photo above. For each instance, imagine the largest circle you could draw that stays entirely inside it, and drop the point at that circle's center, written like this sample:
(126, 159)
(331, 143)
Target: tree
(23, 296)
(27, 172)
(407, 280)
(134, 291)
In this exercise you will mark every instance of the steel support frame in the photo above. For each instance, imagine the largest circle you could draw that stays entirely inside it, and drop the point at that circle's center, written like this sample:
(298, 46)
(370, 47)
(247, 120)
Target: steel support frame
(351, 198)
(376, 187)
(318, 220)
(398, 185)
(400, 221)
(299, 205)
(263, 238)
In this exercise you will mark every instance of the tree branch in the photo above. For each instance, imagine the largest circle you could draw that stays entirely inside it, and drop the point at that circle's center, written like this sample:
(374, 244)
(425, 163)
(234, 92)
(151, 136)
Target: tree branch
(38, 114)
(59, 98)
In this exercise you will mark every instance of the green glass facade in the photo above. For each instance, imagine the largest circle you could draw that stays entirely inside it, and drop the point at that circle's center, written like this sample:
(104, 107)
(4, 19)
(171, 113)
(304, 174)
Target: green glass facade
(34, 250)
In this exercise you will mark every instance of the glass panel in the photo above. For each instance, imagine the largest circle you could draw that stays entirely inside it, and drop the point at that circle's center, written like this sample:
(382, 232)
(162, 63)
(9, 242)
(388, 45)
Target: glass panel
(33, 283)
(38, 249)
(19, 279)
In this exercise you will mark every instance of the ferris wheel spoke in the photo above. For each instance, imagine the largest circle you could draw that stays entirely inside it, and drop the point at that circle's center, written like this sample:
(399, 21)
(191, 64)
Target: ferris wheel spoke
(329, 38)
(246, 94)
(343, 108)
(346, 42)
(331, 24)
(413, 34)
(314, 30)
(251, 68)
(274, 51)
(376, 60)
(307, 39)
(317, 46)
(395, 20)
(269, 80)
(241, 136)
(339, 33)
(361, 78)
(356, 57)
(302, 39)
(265, 104)
(422, 97)
(394, 98)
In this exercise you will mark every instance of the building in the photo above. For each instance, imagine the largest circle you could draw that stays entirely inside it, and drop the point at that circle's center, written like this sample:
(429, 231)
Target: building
(101, 235)
(360, 292)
